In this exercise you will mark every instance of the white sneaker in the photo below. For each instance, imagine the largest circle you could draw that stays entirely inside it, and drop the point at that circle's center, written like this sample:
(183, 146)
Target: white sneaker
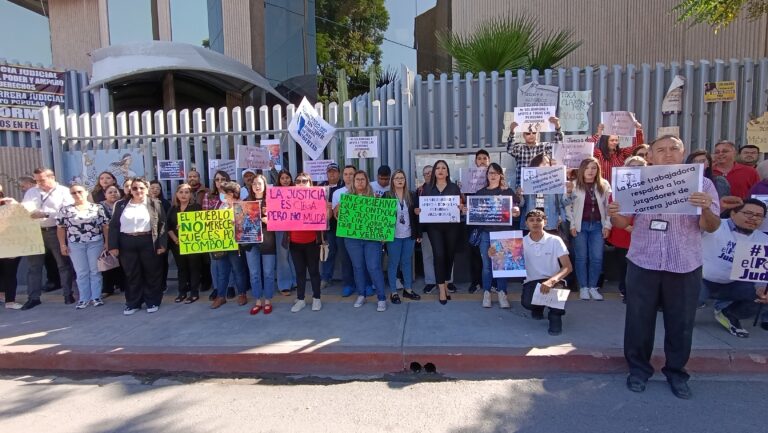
(381, 306)
(359, 301)
(298, 306)
(13, 305)
(503, 301)
(152, 309)
(129, 311)
(486, 299)
(584, 293)
(593, 292)
(316, 304)
(97, 302)
(81, 305)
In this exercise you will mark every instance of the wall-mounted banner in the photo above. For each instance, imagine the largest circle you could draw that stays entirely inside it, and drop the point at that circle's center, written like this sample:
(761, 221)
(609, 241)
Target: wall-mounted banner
(543, 180)
(621, 123)
(534, 94)
(534, 119)
(673, 100)
(439, 209)
(23, 90)
(657, 188)
(252, 157)
(295, 208)
(20, 235)
(318, 169)
(275, 154)
(472, 179)
(574, 109)
(171, 169)
(310, 130)
(572, 150)
(362, 147)
(750, 262)
(226, 165)
(248, 222)
(122, 163)
(506, 254)
(368, 218)
(489, 210)
(206, 231)
(720, 91)
(757, 132)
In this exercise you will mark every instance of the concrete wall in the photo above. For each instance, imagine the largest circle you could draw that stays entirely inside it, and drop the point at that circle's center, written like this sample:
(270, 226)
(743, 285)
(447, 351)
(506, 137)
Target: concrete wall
(75, 31)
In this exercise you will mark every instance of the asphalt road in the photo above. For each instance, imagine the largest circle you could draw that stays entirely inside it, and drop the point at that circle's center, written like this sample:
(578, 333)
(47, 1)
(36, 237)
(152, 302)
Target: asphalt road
(592, 404)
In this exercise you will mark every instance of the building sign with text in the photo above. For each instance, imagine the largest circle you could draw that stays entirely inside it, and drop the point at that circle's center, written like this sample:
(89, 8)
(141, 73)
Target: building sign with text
(23, 90)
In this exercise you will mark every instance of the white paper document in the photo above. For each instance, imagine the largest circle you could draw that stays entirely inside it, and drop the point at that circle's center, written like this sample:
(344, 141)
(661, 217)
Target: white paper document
(554, 299)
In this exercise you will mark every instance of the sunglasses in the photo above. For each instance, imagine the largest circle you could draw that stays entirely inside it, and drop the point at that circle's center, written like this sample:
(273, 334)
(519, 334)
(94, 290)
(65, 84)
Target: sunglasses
(302, 181)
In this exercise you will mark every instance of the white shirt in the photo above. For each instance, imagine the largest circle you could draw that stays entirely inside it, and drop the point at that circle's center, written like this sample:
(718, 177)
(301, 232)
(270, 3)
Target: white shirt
(542, 258)
(49, 202)
(718, 249)
(336, 199)
(135, 218)
(379, 190)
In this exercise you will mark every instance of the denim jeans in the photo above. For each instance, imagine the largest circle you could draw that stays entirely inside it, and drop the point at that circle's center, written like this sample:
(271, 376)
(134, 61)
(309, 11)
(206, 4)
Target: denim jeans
(262, 270)
(221, 268)
(326, 268)
(366, 255)
(501, 283)
(85, 257)
(588, 249)
(400, 253)
(737, 296)
(286, 272)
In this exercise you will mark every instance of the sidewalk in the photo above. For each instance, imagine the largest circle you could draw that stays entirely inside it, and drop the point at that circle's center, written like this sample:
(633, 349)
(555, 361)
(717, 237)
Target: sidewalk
(459, 338)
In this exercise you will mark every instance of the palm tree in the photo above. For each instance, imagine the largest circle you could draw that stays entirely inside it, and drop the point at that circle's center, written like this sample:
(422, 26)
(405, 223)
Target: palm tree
(507, 44)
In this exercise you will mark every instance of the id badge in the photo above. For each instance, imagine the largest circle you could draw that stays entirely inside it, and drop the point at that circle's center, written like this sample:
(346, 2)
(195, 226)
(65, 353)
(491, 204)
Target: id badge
(659, 225)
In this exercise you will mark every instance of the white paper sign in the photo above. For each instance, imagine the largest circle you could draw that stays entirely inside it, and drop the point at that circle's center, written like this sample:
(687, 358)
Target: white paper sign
(621, 123)
(225, 165)
(668, 130)
(572, 150)
(534, 94)
(318, 169)
(310, 130)
(472, 179)
(534, 119)
(574, 106)
(252, 157)
(750, 262)
(543, 180)
(554, 299)
(673, 100)
(657, 188)
(439, 209)
(362, 147)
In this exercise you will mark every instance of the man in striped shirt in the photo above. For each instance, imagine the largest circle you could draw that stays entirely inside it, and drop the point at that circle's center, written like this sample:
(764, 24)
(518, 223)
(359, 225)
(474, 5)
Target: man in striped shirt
(524, 152)
(664, 268)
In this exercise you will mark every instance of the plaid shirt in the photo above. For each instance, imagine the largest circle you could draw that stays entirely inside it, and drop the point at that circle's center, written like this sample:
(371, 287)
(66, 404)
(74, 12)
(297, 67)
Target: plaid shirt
(524, 153)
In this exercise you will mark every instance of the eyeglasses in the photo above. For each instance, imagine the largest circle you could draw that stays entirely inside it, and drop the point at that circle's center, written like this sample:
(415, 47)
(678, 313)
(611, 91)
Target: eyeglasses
(750, 215)
(302, 180)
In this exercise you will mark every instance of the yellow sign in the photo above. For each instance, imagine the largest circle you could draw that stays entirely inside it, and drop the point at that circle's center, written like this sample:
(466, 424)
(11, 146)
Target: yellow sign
(20, 235)
(206, 231)
(757, 132)
(720, 91)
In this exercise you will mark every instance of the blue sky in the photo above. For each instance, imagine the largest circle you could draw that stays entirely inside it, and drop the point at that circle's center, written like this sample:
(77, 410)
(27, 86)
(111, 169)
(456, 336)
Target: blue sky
(401, 17)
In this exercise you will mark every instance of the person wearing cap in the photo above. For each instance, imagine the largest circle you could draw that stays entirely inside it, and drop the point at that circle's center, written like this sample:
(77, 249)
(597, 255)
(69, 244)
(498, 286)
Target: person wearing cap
(333, 183)
(248, 176)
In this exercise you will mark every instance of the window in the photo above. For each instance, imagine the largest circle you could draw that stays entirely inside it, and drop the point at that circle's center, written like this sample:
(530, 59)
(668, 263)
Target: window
(130, 21)
(190, 21)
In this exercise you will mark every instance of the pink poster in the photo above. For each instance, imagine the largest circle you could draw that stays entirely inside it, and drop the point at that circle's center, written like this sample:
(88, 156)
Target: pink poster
(295, 208)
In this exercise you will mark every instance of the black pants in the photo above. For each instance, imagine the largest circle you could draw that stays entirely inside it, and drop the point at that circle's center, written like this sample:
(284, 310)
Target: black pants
(190, 267)
(475, 266)
(113, 278)
(164, 264)
(51, 270)
(444, 238)
(621, 255)
(678, 294)
(527, 296)
(8, 268)
(206, 278)
(143, 271)
(306, 257)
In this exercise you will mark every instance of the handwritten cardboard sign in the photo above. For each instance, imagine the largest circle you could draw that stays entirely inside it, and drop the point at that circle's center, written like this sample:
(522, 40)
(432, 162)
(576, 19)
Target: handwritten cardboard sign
(489, 210)
(657, 188)
(543, 180)
(171, 169)
(572, 150)
(439, 209)
(472, 179)
(252, 157)
(757, 132)
(226, 165)
(20, 235)
(291, 208)
(506, 254)
(318, 169)
(534, 94)
(621, 123)
(206, 231)
(248, 222)
(310, 130)
(535, 119)
(574, 107)
(362, 147)
(750, 262)
(668, 130)
(367, 218)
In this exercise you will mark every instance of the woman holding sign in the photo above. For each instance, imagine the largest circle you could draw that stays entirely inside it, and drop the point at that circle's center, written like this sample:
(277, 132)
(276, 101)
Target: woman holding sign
(607, 150)
(305, 252)
(407, 233)
(190, 265)
(444, 236)
(261, 257)
(286, 272)
(590, 225)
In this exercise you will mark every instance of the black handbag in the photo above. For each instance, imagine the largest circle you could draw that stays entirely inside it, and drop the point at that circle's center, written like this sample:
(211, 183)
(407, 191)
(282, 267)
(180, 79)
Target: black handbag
(475, 236)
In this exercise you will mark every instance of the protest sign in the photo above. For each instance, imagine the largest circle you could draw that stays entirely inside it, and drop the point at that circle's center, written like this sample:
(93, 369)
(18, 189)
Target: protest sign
(489, 210)
(572, 150)
(23, 90)
(668, 130)
(362, 147)
(292, 208)
(555, 298)
(252, 157)
(574, 106)
(122, 163)
(509, 117)
(534, 119)
(657, 189)
(171, 169)
(534, 94)
(621, 123)
(757, 132)
(506, 254)
(368, 218)
(318, 169)
(750, 262)
(226, 165)
(472, 179)
(439, 209)
(248, 222)
(20, 235)
(543, 180)
(720, 91)
(275, 155)
(310, 130)
(673, 100)
(764, 199)
(206, 231)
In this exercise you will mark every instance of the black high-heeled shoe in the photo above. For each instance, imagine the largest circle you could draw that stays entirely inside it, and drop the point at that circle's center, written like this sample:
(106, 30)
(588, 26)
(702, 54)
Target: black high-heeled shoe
(444, 301)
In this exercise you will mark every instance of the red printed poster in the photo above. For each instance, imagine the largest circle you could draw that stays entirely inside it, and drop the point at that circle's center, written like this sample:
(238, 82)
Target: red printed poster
(295, 208)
